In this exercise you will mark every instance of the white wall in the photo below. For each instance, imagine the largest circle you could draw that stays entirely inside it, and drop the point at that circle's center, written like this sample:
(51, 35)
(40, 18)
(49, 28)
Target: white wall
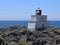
(31, 26)
(33, 17)
(39, 24)
(41, 18)
(38, 21)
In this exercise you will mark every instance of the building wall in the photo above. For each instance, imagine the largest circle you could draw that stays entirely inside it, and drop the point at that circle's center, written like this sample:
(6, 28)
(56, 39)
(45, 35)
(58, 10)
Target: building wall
(31, 26)
(42, 24)
(38, 22)
(33, 17)
(41, 18)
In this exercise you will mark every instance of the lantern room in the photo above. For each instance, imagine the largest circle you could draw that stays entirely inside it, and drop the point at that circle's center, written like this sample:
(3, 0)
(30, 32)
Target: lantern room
(38, 12)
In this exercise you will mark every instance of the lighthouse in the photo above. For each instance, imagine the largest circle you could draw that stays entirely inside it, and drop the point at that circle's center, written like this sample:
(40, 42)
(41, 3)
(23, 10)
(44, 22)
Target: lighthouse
(38, 21)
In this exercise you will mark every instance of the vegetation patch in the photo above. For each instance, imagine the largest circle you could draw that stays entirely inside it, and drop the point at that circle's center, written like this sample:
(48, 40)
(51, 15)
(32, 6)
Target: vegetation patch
(22, 43)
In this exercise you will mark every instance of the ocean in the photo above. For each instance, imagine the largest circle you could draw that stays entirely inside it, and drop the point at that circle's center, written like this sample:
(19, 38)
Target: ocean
(4, 24)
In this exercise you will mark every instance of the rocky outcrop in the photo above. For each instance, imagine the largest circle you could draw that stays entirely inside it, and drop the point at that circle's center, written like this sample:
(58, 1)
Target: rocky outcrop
(21, 33)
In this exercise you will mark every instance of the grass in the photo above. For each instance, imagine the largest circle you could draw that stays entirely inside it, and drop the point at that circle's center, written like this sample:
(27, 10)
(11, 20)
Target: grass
(22, 43)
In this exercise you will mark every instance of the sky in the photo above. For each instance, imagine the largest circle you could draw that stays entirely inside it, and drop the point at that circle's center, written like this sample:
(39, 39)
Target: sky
(23, 9)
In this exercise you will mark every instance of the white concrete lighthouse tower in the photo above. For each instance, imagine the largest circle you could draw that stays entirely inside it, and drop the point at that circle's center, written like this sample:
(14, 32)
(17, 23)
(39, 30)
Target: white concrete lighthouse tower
(38, 21)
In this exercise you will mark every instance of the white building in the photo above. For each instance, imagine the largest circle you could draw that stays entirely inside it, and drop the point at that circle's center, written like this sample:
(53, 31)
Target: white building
(38, 21)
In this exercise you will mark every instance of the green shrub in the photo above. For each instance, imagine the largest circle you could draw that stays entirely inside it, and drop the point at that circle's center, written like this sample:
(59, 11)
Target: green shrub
(22, 43)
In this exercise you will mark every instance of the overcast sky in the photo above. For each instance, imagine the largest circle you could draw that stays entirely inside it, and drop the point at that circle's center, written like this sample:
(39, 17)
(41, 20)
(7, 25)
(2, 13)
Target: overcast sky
(23, 9)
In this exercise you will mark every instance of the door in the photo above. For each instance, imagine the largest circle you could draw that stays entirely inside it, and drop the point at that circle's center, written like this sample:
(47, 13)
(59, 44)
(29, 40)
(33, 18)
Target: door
(43, 26)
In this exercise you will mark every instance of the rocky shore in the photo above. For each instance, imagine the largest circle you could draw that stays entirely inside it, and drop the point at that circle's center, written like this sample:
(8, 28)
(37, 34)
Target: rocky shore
(20, 35)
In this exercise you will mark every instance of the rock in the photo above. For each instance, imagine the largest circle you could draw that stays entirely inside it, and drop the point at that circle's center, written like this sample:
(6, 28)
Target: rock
(1, 41)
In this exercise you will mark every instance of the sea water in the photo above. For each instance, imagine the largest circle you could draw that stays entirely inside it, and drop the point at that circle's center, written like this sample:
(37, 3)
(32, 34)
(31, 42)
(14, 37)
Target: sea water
(24, 23)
